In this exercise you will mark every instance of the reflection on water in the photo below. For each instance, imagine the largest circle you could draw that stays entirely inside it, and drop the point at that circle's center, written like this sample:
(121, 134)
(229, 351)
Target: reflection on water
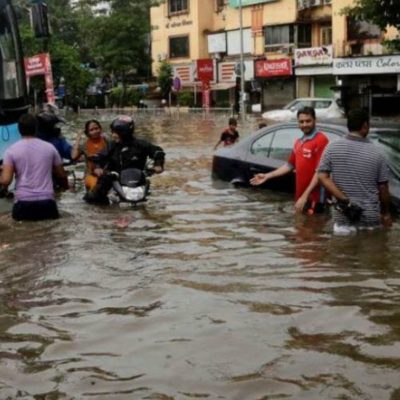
(205, 292)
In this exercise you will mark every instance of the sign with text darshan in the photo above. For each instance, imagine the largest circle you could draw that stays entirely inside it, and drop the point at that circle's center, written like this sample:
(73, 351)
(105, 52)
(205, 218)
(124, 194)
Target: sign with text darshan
(313, 56)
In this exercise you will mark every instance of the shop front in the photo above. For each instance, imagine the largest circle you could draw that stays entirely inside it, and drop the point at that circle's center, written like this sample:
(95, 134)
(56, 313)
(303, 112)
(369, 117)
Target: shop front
(371, 82)
(228, 76)
(314, 74)
(277, 82)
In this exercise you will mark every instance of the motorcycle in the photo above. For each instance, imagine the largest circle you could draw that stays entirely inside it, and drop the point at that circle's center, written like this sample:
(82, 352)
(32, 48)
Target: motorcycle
(131, 186)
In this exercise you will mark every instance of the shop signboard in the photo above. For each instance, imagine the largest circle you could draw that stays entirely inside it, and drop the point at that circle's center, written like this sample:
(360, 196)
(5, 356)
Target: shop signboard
(313, 56)
(184, 72)
(233, 42)
(205, 70)
(40, 64)
(235, 3)
(226, 70)
(35, 65)
(273, 68)
(217, 43)
(367, 65)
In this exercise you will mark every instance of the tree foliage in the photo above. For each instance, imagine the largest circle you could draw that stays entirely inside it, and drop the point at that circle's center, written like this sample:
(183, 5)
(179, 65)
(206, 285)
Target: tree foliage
(383, 13)
(165, 78)
(114, 43)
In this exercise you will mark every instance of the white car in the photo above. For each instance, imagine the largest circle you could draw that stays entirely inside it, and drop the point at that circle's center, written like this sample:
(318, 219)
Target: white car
(324, 109)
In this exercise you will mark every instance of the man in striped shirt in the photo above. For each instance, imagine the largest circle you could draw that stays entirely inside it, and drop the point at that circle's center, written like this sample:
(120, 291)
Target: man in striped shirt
(355, 172)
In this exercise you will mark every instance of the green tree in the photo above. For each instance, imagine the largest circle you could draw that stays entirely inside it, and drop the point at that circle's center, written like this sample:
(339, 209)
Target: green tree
(116, 43)
(383, 13)
(165, 78)
(62, 44)
(121, 38)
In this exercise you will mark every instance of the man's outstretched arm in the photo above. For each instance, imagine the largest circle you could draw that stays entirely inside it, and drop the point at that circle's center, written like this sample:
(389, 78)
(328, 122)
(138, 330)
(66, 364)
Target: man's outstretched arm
(7, 174)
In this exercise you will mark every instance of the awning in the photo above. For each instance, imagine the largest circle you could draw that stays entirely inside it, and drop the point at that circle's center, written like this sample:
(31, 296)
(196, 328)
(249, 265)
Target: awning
(222, 85)
(311, 71)
(213, 86)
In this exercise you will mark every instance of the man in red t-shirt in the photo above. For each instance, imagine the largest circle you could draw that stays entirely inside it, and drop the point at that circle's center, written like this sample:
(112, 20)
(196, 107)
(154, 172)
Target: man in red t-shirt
(304, 159)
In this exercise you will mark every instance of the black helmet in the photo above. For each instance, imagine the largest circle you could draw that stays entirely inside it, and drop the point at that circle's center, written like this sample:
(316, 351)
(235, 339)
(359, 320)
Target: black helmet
(47, 122)
(124, 126)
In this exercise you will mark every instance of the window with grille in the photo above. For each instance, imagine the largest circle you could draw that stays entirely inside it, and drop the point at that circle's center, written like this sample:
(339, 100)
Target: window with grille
(177, 6)
(303, 35)
(326, 35)
(361, 30)
(280, 36)
(179, 47)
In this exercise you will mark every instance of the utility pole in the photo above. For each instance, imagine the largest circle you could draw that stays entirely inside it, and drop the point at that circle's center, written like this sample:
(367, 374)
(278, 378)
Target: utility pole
(242, 78)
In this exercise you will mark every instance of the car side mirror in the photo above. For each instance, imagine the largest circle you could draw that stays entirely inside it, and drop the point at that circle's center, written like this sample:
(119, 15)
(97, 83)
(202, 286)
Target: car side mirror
(292, 109)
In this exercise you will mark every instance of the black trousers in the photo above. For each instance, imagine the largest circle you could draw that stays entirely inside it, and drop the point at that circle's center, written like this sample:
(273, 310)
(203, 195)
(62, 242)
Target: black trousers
(98, 195)
(35, 210)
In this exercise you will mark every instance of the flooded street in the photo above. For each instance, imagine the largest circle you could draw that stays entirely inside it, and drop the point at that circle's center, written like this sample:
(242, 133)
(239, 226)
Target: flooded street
(204, 292)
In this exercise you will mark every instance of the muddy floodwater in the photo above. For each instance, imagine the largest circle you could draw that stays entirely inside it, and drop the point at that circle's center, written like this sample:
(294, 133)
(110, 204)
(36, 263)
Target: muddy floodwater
(205, 292)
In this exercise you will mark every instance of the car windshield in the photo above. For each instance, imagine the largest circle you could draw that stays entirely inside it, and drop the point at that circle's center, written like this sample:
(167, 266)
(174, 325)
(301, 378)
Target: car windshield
(322, 103)
(298, 104)
(389, 142)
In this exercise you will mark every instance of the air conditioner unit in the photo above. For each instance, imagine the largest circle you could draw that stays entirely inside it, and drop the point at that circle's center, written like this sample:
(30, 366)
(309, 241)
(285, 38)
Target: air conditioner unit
(302, 4)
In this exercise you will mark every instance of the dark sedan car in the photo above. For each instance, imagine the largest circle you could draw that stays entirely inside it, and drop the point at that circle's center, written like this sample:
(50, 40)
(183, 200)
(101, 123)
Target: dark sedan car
(270, 147)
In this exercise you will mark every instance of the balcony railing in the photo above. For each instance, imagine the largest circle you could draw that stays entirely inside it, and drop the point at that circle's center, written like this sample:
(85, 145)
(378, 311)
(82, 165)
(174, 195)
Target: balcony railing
(305, 4)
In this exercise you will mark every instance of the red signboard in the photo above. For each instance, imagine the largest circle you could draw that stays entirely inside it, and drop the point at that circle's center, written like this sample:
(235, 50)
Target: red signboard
(41, 65)
(271, 68)
(205, 70)
(36, 65)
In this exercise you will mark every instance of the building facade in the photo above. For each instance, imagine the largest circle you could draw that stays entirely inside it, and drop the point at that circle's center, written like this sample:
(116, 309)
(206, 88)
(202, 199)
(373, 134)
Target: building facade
(291, 48)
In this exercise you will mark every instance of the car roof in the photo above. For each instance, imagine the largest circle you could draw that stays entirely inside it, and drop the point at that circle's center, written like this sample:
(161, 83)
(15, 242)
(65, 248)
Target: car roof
(375, 123)
(314, 98)
(378, 129)
(377, 126)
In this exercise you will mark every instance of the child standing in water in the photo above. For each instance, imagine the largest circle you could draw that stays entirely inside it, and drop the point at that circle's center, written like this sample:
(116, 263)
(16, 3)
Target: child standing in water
(230, 135)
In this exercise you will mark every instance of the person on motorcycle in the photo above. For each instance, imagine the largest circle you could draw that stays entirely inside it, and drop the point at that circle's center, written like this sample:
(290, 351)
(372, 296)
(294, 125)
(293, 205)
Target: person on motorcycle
(49, 131)
(130, 152)
(126, 152)
(94, 149)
